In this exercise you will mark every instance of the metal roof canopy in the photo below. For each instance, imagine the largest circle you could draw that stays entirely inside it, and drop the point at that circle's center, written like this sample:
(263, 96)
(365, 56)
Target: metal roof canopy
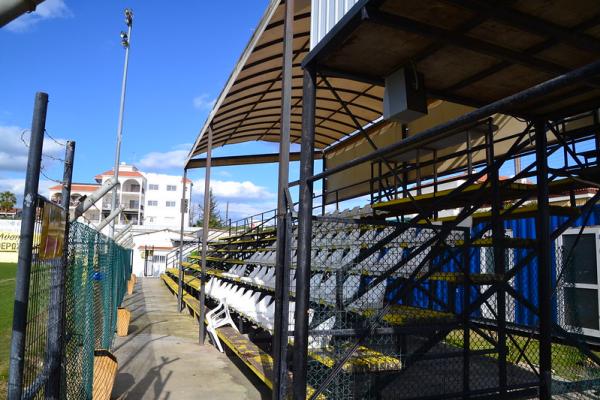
(470, 51)
(249, 107)
(245, 160)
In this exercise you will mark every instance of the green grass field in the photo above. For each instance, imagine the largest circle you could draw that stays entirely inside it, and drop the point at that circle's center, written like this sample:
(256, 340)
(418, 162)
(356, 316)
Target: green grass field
(7, 293)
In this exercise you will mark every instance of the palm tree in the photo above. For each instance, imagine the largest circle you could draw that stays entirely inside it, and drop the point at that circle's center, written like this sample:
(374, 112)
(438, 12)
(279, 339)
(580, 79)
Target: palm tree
(7, 201)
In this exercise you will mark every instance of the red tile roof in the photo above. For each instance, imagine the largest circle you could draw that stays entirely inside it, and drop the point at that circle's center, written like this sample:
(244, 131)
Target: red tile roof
(121, 173)
(78, 187)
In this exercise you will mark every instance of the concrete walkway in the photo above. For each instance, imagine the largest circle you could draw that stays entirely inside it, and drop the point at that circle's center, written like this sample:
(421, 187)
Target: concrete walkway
(161, 358)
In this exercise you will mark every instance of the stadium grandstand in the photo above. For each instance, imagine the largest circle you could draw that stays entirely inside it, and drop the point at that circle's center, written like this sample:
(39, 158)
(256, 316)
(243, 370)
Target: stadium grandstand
(470, 132)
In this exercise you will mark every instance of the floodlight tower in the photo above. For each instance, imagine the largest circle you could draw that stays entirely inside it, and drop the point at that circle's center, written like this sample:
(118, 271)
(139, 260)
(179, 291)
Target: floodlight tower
(125, 42)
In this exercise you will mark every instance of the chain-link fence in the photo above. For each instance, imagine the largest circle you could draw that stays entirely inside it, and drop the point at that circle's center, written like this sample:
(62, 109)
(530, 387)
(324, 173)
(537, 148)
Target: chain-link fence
(400, 311)
(381, 301)
(78, 323)
(41, 323)
(96, 284)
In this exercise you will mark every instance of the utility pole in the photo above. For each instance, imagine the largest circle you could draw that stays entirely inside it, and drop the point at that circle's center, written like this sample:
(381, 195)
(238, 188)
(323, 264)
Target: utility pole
(125, 41)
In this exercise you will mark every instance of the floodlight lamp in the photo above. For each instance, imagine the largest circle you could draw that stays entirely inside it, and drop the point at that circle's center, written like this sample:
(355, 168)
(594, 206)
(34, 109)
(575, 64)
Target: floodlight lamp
(128, 16)
(124, 39)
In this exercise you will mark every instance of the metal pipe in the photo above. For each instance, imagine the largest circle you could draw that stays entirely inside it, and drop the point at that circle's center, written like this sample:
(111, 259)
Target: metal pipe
(28, 216)
(180, 274)
(93, 198)
(126, 41)
(304, 235)
(283, 252)
(493, 179)
(114, 214)
(124, 239)
(544, 262)
(56, 309)
(205, 227)
(123, 232)
(442, 130)
(11, 9)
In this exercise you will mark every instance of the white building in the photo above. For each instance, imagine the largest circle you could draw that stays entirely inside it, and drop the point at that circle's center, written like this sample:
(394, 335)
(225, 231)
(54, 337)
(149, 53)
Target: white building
(152, 200)
(163, 200)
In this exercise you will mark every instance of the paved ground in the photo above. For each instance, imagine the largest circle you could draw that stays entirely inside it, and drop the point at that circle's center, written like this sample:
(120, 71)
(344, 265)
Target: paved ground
(160, 358)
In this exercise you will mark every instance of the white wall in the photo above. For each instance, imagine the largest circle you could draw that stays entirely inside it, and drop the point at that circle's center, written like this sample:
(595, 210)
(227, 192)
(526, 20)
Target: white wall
(161, 215)
(324, 15)
(163, 241)
(10, 229)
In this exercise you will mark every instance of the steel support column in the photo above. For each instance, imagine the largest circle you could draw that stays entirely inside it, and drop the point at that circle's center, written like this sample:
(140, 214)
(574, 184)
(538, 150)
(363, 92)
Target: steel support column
(544, 261)
(56, 310)
(283, 252)
(205, 227)
(182, 207)
(304, 236)
(499, 252)
(34, 162)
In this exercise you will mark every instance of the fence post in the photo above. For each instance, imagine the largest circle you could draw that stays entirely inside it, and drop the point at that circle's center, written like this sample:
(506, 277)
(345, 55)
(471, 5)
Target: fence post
(180, 274)
(56, 309)
(34, 161)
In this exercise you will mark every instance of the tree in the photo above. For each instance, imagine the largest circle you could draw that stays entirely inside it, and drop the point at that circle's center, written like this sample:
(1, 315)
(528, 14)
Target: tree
(215, 220)
(7, 201)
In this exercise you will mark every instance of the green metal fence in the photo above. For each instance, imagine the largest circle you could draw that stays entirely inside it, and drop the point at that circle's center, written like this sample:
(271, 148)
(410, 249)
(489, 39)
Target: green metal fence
(96, 283)
(97, 271)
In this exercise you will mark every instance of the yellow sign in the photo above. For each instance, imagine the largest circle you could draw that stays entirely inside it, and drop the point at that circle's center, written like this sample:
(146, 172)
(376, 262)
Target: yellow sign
(9, 242)
(53, 232)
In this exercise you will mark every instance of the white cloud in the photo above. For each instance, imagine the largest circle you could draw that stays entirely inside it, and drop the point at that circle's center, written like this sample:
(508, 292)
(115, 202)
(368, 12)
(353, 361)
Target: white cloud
(238, 210)
(235, 190)
(204, 102)
(17, 186)
(158, 161)
(242, 210)
(49, 9)
(14, 149)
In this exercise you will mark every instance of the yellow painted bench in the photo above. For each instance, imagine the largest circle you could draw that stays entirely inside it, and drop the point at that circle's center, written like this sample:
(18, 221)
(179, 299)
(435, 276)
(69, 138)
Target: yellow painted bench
(259, 362)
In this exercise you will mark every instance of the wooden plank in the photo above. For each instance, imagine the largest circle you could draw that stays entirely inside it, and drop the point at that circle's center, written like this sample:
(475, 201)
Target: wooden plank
(259, 362)
(527, 211)
(105, 371)
(459, 277)
(435, 200)
(363, 360)
(407, 315)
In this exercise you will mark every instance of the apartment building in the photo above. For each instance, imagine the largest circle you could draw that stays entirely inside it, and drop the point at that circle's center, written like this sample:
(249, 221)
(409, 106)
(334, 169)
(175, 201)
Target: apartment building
(151, 200)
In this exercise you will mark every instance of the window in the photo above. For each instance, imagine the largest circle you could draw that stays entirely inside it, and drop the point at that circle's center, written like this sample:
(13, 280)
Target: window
(170, 204)
(152, 186)
(577, 270)
(159, 259)
(171, 188)
(152, 203)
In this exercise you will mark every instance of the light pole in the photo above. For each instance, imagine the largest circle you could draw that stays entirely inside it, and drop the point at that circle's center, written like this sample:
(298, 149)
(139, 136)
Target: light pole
(125, 41)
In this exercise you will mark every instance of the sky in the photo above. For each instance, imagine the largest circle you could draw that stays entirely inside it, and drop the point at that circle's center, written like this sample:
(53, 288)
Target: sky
(180, 59)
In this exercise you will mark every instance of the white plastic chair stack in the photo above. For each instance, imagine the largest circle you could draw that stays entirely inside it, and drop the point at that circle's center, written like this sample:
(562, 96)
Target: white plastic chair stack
(350, 287)
(270, 258)
(321, 341)
(334, 259)
(255, 272)
(217, 318)
(370, 300)
(266, 277)
(235, 272)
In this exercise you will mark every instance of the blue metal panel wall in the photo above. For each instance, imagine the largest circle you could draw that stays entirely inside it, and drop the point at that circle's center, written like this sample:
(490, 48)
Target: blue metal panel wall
(525, 282)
